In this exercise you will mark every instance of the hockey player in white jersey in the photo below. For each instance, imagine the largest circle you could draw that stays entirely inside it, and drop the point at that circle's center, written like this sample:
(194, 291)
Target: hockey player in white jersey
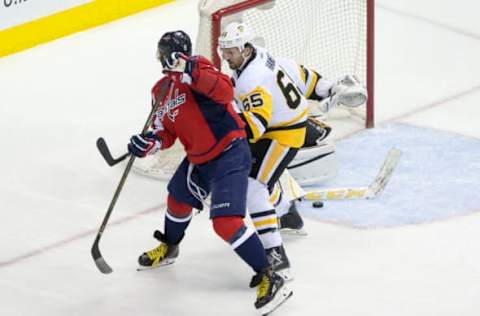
(275, 113)
(272, 97)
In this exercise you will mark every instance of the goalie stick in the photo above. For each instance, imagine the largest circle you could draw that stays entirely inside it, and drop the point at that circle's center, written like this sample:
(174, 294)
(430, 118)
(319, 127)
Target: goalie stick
(294, 191)
(370, 192)
(100, 262)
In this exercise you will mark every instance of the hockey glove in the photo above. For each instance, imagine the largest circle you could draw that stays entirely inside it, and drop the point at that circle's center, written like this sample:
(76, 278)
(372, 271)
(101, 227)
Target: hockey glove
(178, 62)
(348, 91)
(143, 145)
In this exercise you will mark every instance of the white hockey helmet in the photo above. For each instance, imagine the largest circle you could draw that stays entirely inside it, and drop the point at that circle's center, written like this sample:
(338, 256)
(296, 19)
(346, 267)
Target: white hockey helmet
(235, 34)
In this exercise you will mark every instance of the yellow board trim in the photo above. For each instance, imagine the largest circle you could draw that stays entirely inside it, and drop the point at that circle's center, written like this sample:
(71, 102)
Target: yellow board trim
(73, 20)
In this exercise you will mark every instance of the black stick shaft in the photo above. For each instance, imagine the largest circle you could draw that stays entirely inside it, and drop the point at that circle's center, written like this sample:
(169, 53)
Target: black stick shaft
(96, 254)
(106, 154)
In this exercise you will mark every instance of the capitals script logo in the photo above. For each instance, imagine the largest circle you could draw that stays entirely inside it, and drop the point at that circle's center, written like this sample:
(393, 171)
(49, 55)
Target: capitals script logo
(170, 108)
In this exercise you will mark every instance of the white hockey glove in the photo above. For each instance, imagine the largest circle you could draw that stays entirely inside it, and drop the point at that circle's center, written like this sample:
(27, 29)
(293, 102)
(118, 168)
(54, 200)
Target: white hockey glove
(347, 91)
(178, 62)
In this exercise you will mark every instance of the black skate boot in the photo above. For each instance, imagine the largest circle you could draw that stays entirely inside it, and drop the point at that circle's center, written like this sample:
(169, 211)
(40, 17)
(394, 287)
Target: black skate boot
(292, 222)
(278, 260)
(271, 291)
(164, 254)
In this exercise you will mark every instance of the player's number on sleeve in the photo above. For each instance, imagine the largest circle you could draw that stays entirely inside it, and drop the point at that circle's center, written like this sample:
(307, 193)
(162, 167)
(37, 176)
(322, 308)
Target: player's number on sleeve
(252, 101)
(290, 92)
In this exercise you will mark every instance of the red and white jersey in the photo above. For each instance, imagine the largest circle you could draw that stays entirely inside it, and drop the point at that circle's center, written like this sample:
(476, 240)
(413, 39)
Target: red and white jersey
(199, 114)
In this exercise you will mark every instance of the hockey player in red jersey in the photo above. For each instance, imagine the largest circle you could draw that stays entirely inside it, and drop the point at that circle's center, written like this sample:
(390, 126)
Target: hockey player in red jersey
(197, 110)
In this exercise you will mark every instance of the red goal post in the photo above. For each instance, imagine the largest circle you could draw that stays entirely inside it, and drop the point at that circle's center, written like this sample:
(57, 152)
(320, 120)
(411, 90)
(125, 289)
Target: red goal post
(336, 36)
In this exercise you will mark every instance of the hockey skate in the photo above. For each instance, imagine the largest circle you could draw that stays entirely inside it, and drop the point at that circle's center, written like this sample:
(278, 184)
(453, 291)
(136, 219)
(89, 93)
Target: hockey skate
(292, 223)
(163, 255)
(278, 260)
(271, 291)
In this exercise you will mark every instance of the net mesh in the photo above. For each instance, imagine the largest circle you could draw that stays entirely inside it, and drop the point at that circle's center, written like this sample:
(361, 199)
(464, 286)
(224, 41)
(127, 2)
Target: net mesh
(326, 35)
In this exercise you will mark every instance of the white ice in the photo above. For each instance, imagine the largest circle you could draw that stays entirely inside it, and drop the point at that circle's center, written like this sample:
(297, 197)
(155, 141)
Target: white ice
(57, 98)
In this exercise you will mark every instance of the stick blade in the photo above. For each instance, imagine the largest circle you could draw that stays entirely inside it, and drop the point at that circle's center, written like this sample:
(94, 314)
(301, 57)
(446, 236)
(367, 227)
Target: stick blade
(103, 149)
(385, 173)
(103, 266)
(100, 262)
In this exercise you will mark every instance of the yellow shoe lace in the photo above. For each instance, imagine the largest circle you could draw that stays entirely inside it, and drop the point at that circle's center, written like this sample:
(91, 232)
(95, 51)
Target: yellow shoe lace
(157, 254)
(262, 289)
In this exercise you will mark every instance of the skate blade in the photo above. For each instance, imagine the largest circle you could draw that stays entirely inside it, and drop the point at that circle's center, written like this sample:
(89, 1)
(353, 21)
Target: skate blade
(167, 262)
(286, 275)
(294, 232)
(280, 298)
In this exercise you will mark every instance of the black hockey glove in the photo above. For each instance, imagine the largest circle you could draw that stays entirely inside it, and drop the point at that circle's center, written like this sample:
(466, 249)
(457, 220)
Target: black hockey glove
(143, 145)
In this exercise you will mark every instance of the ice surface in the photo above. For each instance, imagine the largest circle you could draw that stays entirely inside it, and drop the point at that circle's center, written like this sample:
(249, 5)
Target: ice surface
(56, 99)
(437, 177)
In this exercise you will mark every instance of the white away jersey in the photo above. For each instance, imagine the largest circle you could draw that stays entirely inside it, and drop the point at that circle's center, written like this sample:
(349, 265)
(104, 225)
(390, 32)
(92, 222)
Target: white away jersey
(270, 94)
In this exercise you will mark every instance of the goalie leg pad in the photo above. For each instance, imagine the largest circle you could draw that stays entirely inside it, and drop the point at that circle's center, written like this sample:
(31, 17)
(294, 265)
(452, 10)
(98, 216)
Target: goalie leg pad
(314, 164)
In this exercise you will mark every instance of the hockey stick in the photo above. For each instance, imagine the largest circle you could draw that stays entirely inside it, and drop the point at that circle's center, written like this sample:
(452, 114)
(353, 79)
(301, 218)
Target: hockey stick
(105, 152)
(370, 192)
(102, 265)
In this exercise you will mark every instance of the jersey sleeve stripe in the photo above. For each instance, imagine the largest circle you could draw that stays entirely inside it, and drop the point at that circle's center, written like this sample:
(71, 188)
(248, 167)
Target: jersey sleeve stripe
(257, 126)
(261, 119)
(247, 125)
(313, 82)
(303, 74)
(254, 124)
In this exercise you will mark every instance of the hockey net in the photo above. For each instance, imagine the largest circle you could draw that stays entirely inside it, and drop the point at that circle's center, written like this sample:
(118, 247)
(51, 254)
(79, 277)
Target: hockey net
(333, 37)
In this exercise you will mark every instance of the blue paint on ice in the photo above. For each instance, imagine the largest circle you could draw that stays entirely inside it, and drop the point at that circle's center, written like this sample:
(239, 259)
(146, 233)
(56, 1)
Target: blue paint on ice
(438, 176)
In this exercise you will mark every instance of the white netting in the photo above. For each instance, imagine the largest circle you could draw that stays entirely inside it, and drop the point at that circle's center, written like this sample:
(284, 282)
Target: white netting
(329, 36)
(326, 35)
